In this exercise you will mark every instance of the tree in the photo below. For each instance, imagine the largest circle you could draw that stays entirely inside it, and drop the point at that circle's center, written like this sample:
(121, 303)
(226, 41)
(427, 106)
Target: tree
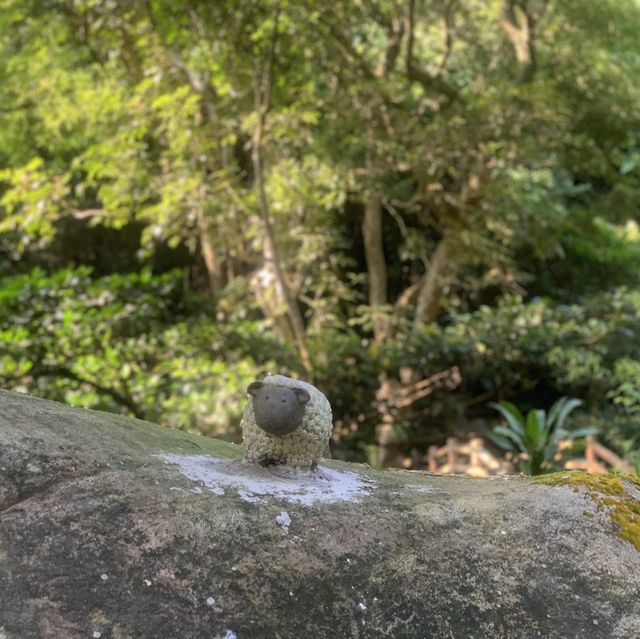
(362, 176)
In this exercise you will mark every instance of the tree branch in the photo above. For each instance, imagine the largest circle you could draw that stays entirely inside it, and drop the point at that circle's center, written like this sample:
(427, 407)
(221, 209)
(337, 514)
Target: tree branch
(372, 236)
(201, 85)
(395, 35)
(63, 371)
(428, 81)
(263, 93)
(518, 20)
(407, 295)
(427, 303)
(350, 54)
(83, 214)
(447, 28)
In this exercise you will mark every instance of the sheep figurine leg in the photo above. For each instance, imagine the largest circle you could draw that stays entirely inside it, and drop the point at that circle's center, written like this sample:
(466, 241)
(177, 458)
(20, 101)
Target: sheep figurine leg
(286, 421)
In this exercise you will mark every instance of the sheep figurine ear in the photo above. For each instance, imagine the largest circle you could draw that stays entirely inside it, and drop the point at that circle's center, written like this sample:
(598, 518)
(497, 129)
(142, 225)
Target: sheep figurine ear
(302, 395)
(254, 387)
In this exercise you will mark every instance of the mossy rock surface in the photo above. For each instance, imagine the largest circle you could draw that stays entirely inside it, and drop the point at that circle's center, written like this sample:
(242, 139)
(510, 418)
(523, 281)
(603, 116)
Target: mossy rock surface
(618, 495)
(118, 528)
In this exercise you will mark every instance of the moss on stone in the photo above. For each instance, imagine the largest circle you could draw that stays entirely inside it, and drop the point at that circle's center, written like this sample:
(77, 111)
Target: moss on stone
(606, 483)
(610, 494)
(626, 513)
(634, 479)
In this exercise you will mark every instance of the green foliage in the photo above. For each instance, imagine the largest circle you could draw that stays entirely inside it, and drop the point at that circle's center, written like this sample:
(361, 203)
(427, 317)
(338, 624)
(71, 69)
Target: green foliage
(518, 346)
(127, 343)
(538, 434)
(129, 130)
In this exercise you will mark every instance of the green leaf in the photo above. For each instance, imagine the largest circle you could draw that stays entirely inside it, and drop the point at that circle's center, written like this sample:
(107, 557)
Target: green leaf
(556, 408)
(535, 431)
(549, 451)
(566, 409)
(503, 442)
(514, 417)
(513, 436)
(541, 418)
(629, 164)
(582, 432)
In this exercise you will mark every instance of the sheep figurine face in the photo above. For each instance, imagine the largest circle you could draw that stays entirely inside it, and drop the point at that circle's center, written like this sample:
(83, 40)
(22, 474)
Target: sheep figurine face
(278, 410)
(286, 421)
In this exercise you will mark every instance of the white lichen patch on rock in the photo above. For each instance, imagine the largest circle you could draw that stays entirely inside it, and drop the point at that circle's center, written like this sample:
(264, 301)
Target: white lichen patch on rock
(419, 488)
(255, 484)
(284, 521)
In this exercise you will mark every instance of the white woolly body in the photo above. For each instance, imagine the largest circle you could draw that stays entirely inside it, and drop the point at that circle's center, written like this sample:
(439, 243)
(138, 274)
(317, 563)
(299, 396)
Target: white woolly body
(303, 447)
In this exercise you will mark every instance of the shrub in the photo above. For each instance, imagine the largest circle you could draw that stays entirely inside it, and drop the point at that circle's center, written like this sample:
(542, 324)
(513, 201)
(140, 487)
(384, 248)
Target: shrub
(538, 434)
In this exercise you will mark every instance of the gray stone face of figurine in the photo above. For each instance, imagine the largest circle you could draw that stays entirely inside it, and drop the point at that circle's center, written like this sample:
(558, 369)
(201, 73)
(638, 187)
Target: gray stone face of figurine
(286, 421)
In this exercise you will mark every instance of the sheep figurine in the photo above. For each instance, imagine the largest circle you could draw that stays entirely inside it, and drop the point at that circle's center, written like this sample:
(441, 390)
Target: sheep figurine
(286, 421)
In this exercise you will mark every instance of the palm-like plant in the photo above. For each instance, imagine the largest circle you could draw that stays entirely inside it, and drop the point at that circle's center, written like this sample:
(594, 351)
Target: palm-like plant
(538, 434)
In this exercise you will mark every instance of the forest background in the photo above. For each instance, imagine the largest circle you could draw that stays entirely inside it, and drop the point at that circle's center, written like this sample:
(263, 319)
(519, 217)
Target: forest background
(422, 206)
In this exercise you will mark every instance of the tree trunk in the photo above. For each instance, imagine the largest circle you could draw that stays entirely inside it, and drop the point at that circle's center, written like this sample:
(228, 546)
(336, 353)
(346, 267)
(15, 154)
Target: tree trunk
(209, 251)
(271, 248)
(263, 105)
(428, 302)
(376, 265)
(118, 528)
(271, 299)
(519, 24)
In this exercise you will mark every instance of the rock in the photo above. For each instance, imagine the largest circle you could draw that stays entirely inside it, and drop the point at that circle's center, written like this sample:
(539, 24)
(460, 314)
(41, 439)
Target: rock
(117, 528)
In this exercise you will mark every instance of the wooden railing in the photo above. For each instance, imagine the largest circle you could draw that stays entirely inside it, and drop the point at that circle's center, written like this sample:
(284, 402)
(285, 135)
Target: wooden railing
(598, 459)
(473, 458)
(470, 458)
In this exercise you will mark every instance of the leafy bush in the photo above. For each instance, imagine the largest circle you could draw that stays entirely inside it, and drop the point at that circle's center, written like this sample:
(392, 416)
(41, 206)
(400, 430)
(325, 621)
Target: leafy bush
(538, 434)
(140, 344)
(129, 343)
(528, 352)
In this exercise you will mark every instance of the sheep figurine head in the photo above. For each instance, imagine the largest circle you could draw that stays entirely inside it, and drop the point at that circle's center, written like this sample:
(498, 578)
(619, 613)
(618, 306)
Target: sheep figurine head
(286, 421)
(278, 410)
